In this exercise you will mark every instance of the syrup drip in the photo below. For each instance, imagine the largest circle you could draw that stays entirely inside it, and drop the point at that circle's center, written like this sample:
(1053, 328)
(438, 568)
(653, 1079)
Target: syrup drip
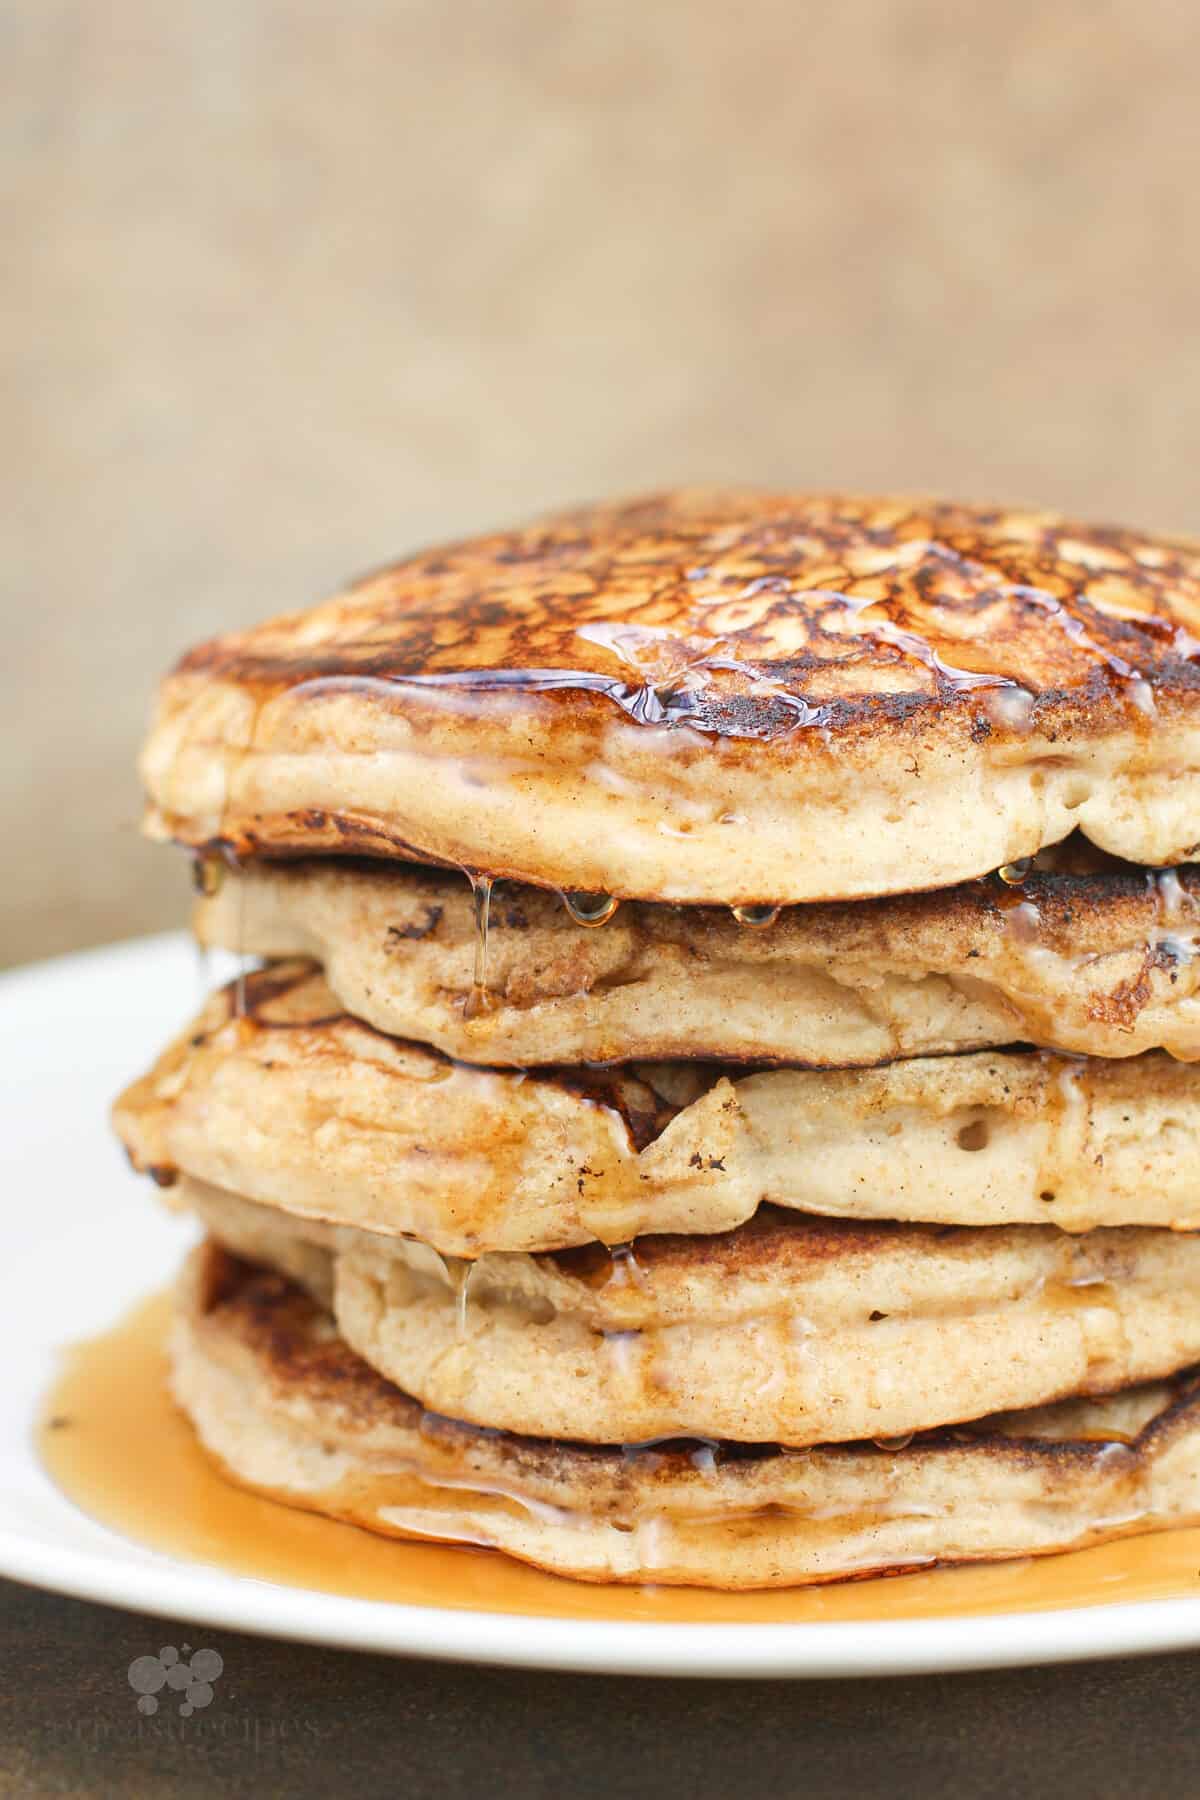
(1024, 922)
(894, 1443)
(1171, 898)
(1068, 1107)
(1174, 902)
(239, 990)
(1137, 689)
(640, 701)
(693, 701)
(949, 678)
(1072, 1096)
(758, 918)
(209, 871)
(599, 1267)
(622, 1348)
(1175, 909)
(1022, 917)
(481, 890)
(462, 1284)
(590, 909)
(208, 877)
(208, 874)
(626, 1271)
(1011, 709)
(204, 981)
(702, 1453)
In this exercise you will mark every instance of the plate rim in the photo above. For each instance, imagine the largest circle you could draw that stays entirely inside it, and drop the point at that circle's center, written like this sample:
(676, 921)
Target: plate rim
(213, 1597)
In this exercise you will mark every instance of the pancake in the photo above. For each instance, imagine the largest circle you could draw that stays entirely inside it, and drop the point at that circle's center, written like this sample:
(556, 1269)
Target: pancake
(288, 1409)
(1102, 963)
(303, 1250)
(295, 1104)
(791, 1327)
(719, 697)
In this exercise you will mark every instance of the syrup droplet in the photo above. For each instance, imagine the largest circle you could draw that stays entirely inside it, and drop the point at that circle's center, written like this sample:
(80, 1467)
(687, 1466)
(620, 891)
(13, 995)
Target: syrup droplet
(1174, 909)
(590, 909)
(1010, 708)
(1172, 900)
(477, 999)
(1014, 873)
(1141, 695)
(1024, 922)
(894, 1443)
(624, 1267)
(208, 872)
(757, 917)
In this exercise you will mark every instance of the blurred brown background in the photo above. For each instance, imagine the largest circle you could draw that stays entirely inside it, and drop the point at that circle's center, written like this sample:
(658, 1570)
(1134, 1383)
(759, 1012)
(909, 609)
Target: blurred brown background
(291, 286)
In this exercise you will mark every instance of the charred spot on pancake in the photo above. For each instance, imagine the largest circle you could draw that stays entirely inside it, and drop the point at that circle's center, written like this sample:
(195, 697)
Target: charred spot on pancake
(416, 929)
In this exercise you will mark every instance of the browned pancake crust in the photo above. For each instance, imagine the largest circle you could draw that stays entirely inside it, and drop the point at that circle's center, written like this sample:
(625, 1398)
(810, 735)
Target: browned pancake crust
(745, 588)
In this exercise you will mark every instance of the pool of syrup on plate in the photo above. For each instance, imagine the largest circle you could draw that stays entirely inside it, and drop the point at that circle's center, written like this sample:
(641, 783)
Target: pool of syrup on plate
(115, 1444)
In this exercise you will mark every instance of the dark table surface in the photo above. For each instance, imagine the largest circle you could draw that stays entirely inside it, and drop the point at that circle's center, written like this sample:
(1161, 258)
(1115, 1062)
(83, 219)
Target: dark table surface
(297, 1720)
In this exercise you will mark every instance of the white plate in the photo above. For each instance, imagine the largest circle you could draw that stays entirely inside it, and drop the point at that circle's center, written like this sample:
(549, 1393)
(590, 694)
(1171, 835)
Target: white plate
(83, 1241)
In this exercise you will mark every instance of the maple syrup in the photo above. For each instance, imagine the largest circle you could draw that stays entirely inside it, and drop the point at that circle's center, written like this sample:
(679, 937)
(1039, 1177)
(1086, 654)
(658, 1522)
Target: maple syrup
(208, 874)
(590, 909)
(115, 1444)
(204, 972)
(758, 918)
(1024, 922)
(244, 964)
(461, 1283)
(481, 893)
(898, 584)
(1014, 873)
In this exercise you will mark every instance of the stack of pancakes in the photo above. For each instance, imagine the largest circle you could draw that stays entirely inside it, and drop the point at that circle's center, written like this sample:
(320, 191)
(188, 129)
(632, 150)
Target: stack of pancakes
(713, 1102)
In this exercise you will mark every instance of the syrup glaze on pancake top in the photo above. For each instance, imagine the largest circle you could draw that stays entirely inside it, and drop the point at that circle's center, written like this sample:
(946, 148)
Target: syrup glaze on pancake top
(733, 698)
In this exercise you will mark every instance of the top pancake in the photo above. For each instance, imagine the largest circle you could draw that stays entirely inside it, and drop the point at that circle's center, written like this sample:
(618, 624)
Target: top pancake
(712, 697)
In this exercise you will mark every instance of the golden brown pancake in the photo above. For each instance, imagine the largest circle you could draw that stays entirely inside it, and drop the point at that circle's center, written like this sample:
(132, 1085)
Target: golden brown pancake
(1102, 962)
(288, 1409)
(718, 697)
(792, 1328)
(295, 1104)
